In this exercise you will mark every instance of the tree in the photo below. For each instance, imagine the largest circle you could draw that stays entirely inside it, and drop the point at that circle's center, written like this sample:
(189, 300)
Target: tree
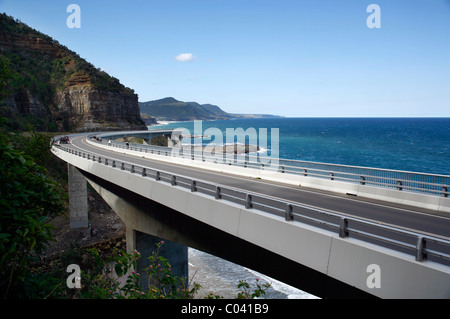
(28, 201)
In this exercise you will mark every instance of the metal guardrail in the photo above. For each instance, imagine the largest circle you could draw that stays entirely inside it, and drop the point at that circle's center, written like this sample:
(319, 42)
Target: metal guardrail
(431, 184)
(423, 247)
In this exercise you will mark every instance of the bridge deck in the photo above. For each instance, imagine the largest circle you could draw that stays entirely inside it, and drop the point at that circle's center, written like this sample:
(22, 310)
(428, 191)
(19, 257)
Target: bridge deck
(421, 220)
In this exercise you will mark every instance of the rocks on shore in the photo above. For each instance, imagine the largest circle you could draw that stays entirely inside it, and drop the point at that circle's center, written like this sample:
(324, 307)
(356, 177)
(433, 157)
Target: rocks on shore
(236, 148)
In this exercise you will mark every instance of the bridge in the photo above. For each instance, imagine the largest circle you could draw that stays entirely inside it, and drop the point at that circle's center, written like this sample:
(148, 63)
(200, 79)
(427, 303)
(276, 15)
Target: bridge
(331, 230)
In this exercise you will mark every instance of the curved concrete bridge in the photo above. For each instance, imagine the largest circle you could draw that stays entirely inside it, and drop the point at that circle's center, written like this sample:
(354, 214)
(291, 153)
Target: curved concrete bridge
(320, 238)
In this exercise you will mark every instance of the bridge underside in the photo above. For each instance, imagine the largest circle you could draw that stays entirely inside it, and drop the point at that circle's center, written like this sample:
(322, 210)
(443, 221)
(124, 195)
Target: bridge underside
(149, 217)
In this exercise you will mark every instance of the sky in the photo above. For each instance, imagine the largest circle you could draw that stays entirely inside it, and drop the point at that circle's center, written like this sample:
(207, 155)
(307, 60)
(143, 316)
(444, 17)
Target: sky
(294, 58)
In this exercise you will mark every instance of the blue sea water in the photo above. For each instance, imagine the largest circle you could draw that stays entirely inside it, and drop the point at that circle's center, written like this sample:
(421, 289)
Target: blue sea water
(409, 144)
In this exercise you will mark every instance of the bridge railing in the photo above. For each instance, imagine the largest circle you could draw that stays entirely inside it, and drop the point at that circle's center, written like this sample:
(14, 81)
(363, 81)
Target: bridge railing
(422, 246)
(431, 184)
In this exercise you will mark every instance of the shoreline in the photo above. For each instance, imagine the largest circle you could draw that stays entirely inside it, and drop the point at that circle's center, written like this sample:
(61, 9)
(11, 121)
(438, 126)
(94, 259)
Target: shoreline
(158, 123)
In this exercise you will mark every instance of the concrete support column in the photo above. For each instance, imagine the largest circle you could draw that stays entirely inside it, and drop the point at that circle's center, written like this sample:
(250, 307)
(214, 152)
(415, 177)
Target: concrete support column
(169, 142)
(145, 244)
(78, 199)
(173, 140)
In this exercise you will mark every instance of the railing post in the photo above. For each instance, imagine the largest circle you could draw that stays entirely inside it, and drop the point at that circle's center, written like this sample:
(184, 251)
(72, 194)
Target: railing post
(144, 171)
(122, 166)
(132, 169)
(106, 161)
(399, 187)
(113, 164)
(218, 193)
(158, 176)
(420, 249)
(343, 227)
(248, 201)
(193, 186)
(363, 180)
(174, 180)
(444, 191)
(288, 216)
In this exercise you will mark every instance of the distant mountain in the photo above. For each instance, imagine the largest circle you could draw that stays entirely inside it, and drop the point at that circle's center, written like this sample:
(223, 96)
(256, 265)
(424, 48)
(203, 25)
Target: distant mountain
(170, 109)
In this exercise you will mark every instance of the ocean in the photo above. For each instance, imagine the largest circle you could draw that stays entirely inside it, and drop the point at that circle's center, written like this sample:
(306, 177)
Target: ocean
(407, 144)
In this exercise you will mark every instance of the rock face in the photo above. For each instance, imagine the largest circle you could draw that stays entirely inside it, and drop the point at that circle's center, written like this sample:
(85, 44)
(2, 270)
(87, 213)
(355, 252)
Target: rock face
(91, 109)
(54, 86)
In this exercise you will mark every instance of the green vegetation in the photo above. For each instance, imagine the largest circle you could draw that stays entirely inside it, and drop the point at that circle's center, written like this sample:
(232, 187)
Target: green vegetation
(43, 70)
(112, 275)
(100, 274)
(170, 109)
(173, 110)
(28, 201)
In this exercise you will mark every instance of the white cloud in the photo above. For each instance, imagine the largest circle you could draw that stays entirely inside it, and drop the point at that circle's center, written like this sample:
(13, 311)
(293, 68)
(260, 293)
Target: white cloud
(184, 57)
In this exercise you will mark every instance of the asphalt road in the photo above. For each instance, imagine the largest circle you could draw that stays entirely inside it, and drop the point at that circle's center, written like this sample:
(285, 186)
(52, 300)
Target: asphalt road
(414, 219)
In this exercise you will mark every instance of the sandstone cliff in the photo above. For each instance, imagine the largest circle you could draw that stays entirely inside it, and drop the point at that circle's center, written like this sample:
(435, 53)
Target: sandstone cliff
(53, 88)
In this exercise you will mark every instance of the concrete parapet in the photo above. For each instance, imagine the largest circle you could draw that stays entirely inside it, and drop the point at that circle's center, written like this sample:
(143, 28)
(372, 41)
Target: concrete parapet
(440, 204)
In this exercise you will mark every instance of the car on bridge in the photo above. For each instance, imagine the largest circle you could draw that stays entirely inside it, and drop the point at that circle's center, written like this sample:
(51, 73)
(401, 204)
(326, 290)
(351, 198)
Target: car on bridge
(64, 140)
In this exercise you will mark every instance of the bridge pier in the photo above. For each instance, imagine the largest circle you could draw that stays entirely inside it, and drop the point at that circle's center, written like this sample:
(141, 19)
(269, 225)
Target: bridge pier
(146, 244)
(143, 233)
(169, 142)
(78, 198)
(143, 216)
(173, 140)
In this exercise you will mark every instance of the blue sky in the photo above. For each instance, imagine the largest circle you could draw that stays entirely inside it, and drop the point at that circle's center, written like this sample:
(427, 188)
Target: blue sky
(312, 58)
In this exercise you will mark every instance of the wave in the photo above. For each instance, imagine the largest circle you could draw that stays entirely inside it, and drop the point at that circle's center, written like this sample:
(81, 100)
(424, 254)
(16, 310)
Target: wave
(291, 292)
(221, 276)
